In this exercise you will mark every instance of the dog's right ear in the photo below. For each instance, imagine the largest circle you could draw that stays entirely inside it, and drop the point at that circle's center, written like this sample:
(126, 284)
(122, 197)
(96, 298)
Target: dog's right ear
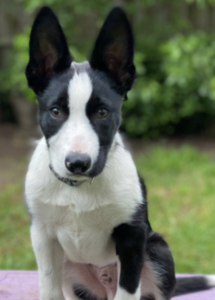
(114, 50)
(48, 51)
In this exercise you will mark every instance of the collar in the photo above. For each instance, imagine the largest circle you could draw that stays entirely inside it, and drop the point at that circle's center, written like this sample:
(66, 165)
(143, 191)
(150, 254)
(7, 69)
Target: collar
(68, 181)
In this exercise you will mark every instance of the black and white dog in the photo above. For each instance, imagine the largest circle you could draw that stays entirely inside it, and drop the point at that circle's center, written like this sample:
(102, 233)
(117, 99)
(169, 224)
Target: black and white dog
(90, 230)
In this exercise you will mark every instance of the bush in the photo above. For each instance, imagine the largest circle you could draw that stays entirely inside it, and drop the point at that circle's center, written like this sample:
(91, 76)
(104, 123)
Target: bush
(175, 85)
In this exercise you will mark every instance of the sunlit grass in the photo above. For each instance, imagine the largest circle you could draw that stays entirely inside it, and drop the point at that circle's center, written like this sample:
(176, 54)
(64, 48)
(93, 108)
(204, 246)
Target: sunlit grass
(181, 195)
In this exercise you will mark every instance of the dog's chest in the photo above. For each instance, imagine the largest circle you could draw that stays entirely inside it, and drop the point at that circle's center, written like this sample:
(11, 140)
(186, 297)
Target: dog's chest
(85, 237)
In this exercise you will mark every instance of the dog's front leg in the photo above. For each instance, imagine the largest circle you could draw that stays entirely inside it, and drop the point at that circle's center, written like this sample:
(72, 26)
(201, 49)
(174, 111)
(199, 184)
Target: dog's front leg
(130, 244)
(49, 256)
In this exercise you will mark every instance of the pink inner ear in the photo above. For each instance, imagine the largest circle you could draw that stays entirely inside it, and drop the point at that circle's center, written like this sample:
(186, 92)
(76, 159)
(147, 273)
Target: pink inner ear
(116, 67)
(112, 63)
(48, 53)
(124, 76)
(50, 60)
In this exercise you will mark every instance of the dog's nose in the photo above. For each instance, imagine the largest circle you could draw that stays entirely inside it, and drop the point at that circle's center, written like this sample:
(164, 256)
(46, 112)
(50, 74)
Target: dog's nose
(78, 163)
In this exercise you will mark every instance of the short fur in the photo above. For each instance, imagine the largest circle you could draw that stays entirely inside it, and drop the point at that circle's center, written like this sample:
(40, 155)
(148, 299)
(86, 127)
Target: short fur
(92, 239)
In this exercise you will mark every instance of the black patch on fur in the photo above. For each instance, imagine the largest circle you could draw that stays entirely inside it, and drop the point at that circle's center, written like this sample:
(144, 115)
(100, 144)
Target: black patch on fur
(159, 254)
(82, 293)
(56, 95)
(48, 51)
(114, 50)
(143, 209)
(190, 284)
(143, 187)
(130, 242)
(103, 96)
(148, 297)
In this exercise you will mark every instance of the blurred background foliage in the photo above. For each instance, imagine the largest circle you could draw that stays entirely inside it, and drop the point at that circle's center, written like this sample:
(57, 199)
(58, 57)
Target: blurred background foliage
(174, 92)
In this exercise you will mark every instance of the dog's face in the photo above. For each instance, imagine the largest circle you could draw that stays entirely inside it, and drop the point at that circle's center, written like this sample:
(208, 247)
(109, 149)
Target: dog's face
(80, 104)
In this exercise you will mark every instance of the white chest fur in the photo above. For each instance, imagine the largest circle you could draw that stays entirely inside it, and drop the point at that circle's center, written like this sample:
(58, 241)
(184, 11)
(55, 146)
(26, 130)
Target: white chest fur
(82, 218)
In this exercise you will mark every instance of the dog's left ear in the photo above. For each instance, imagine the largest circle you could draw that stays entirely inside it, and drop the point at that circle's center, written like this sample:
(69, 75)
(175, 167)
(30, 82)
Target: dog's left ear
(114, 50)
(48, 51)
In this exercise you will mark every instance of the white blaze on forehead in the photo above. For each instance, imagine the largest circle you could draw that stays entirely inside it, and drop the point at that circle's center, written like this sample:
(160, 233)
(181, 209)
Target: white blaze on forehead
(77, 133)
(82, 136)
(80, 90)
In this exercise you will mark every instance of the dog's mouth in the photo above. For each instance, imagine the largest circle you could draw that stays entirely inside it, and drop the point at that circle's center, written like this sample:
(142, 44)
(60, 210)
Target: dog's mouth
(69, 181)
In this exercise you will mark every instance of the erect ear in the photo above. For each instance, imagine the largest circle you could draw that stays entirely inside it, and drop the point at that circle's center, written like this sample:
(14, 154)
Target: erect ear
(114, 50)
(48, 50)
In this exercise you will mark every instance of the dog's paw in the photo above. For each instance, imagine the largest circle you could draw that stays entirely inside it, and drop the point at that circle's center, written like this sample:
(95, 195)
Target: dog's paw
(51, 296)
(122, 294)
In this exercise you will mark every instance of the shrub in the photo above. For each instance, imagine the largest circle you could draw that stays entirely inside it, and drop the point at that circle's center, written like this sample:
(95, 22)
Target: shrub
(175, 83)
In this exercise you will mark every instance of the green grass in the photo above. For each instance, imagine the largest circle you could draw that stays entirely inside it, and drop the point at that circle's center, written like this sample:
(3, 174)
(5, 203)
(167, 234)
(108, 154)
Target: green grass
(15, 246)
(181, 195)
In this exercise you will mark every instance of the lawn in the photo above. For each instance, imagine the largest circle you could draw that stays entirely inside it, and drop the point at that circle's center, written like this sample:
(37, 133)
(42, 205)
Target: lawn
(15, 246)
(181, 196)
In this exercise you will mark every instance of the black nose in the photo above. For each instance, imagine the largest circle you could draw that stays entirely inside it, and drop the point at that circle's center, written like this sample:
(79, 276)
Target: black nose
(77, 163)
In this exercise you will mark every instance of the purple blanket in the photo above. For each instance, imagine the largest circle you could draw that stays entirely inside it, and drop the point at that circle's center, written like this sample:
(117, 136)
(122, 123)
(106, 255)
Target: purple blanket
(23, 285)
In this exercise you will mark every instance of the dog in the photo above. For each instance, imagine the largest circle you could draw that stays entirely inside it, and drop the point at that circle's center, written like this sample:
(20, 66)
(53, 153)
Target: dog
(90, 230)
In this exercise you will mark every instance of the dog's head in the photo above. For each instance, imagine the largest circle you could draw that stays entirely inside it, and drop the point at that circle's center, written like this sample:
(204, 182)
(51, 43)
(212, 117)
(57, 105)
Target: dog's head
(80, 104)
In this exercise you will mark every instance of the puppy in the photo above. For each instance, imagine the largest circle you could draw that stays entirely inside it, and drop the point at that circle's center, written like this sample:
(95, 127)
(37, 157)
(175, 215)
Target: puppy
(90, 230)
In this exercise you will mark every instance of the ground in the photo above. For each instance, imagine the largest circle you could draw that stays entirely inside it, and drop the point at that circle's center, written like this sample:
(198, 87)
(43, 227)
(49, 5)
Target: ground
(180, 176)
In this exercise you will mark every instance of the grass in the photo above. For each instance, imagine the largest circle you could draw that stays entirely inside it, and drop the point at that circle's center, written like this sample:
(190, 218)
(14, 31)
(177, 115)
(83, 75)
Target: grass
(181, 195)
(15, 246)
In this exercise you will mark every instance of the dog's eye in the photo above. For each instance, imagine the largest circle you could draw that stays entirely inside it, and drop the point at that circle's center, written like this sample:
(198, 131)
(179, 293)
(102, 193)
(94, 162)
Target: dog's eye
(55, 112)
(102, 113)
